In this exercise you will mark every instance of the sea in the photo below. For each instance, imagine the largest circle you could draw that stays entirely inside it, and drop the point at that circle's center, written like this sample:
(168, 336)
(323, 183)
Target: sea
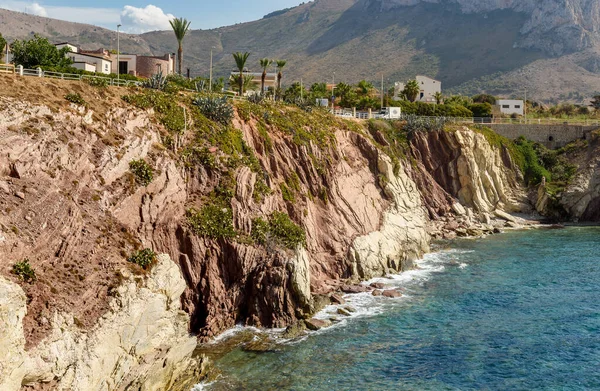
(514, 311)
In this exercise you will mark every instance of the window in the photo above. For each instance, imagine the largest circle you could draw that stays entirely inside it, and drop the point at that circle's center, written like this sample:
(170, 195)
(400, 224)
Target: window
(506, 106)
(517, 106)
(106, 67)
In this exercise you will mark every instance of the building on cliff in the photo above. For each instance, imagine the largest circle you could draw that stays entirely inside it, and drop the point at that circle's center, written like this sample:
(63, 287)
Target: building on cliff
(428, 88)
(104, 61)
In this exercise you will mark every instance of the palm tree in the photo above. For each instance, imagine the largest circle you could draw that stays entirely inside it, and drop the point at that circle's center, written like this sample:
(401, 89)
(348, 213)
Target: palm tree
(438, 97)
(411, 90)
(265, 63)
(280, 65)
(240, 62)
(180, 28)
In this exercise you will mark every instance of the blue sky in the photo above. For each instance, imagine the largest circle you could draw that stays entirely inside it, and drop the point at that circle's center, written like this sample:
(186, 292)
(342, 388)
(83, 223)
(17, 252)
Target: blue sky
(140, 16)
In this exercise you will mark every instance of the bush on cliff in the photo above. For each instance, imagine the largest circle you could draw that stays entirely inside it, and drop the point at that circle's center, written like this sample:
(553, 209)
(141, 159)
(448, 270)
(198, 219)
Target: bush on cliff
(143, 258)
(531, 163)
(76, 98)
(24, 271)
(279, 228)
(142, 171)
(216, 108)
(212, 221)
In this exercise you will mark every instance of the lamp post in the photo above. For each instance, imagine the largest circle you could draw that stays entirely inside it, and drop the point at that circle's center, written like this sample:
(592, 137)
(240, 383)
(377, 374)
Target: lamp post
(118, 54)
(525, 106)
(210, 75)
(382, 91)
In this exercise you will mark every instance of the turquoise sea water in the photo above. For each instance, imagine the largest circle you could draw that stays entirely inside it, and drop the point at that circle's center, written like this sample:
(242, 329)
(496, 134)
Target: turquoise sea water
(517, 311)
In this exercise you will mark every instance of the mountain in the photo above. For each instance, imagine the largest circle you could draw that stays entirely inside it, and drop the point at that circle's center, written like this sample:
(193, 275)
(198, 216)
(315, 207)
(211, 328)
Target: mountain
(549, 47)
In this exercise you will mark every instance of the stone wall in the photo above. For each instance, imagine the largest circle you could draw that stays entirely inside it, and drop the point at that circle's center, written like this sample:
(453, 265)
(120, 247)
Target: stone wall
(552, 136)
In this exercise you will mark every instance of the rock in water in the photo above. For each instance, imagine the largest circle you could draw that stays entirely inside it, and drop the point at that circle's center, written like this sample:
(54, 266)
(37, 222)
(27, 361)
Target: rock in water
(337, 299)
(316, 324)
(392, 294)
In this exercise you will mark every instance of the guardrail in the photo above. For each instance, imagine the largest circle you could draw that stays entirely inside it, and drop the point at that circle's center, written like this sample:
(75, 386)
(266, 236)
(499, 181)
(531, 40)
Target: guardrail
(7, 68)
(349, 113)
(38, 72)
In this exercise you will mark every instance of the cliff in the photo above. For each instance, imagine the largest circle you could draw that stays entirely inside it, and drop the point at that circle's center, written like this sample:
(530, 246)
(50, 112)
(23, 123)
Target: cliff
(263, 216)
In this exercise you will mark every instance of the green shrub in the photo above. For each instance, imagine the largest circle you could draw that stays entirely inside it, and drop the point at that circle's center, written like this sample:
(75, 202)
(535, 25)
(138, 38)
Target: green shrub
(143, 258)
(280, 228)
(24, 271)
(260, 230)
(142, 171)
(99, 82)
(284, 229)
(531, 163)
(211, 221)
(76, 98)
(216, 108)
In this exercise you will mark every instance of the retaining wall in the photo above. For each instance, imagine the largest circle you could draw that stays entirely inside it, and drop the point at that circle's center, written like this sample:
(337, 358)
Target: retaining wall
(552, 136)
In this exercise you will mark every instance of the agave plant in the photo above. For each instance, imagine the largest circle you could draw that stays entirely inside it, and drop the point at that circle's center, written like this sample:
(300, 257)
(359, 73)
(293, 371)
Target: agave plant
(216, 108)
(157, 82)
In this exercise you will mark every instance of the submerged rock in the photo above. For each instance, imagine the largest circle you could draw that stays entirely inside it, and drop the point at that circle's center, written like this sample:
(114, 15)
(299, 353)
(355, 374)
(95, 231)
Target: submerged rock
(377, 292)
(343, 311)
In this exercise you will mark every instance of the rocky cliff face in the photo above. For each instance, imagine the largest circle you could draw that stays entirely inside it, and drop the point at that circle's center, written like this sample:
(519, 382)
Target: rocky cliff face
(555, 26)
(581, 199)
(367, 202)
(142, 342)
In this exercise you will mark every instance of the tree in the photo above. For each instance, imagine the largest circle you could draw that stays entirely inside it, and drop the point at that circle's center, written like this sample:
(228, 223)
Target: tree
(247, 82)
(481, 109)
(485, 98)
(319, 91)
(438, 97)
(347, 95)
(265, 63)
(595, 103)
(180, 28)
(2, 46)
(39, 52)
(294, 92)
(364, 87)
(280, 65)
(240, 62)
(412, 90)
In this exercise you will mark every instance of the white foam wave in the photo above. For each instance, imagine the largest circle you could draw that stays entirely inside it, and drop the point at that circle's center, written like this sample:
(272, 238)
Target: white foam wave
(202, 386)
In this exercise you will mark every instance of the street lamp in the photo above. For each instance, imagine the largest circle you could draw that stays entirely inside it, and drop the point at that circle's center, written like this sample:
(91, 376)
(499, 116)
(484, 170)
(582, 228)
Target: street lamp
(118, 54)
(210, 77)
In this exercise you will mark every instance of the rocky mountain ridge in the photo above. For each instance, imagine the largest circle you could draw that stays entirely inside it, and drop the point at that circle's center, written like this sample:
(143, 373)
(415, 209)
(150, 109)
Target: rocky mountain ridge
(555, 26)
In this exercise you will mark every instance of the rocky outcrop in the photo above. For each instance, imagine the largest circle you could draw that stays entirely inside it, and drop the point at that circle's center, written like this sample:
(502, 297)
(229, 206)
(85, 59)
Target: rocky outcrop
(468, 168)
(141, 342)
(403, 235)
(555, 26)
(581, 198)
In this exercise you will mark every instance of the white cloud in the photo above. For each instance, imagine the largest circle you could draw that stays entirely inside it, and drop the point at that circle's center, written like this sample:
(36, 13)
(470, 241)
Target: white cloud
(140, 20)
(36, 9)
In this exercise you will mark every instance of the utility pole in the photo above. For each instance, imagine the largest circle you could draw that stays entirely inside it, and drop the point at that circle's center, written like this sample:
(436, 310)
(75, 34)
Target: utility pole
(118, 54)
(382, 91)
(210, 77)
(525, 106)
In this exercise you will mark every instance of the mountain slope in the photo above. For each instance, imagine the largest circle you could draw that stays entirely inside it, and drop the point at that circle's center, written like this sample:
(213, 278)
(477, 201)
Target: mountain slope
(501, 46)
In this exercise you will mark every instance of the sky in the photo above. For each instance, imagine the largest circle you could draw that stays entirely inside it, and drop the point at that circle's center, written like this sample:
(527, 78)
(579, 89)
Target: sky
(141, 16)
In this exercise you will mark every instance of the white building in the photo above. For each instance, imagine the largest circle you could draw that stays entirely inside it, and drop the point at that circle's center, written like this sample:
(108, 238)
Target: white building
(428, 88)
(510, 106)
(92, 62)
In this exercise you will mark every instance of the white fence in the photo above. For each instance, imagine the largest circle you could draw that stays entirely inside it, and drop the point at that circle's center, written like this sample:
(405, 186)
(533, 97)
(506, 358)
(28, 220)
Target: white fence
(38, 72)
(350, 113)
